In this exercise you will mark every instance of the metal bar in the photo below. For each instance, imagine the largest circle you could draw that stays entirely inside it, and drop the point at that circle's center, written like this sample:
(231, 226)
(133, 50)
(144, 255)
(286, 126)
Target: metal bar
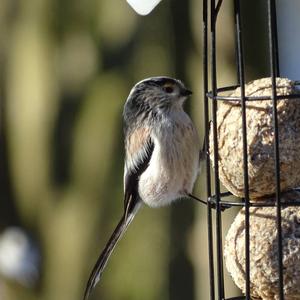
(275, 40)
(220, 275)
(228, 204)
(241, 80)
(217, 9)
(208, 175)
(271, 28)
(295, 96)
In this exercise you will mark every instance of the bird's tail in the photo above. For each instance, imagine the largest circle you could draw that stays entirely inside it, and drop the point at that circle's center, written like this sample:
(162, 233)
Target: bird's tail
(110, 246)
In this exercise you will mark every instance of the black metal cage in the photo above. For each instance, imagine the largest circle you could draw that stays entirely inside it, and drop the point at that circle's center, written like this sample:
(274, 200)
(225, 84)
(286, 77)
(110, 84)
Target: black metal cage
(212, 94)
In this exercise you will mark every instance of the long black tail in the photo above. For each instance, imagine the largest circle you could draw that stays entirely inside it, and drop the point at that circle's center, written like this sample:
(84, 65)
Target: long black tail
(110, 246)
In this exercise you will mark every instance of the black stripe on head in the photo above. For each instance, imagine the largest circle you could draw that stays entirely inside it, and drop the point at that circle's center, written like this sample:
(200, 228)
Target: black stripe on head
(161, 81)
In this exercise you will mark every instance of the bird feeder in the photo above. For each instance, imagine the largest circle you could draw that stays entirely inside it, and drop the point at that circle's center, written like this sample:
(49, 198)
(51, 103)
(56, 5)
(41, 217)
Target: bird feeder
(252, 132)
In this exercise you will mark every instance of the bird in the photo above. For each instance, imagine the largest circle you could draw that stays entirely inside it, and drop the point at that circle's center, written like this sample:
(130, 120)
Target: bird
(162, 155)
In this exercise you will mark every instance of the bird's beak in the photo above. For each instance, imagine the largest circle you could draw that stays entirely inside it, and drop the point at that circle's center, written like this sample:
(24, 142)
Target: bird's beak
(186, 92)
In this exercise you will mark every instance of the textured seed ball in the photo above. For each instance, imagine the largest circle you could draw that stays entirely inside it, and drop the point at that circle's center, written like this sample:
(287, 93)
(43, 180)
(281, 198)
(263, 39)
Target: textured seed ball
(264, 251)
(260, 139)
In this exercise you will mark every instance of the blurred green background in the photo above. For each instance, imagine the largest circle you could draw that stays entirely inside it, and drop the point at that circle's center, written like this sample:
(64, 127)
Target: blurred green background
(66, 68)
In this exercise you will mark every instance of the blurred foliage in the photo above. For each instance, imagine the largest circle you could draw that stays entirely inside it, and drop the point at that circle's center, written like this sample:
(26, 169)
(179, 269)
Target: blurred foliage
(66, 68)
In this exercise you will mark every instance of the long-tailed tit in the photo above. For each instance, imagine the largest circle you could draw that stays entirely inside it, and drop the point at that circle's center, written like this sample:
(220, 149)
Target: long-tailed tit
(161, 154)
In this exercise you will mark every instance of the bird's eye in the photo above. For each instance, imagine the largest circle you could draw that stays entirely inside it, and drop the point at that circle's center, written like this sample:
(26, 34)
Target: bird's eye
(168, 89)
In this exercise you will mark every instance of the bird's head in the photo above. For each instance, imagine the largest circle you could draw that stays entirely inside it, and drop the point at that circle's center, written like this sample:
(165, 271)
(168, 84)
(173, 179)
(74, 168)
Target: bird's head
(155, 95)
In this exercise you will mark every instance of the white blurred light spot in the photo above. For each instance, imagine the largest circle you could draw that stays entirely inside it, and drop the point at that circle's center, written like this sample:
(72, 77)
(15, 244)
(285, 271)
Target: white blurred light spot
(143, 7)
(19, 259)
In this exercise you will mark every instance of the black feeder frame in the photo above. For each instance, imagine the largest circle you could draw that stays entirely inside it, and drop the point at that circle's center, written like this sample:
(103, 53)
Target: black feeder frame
(212, 94)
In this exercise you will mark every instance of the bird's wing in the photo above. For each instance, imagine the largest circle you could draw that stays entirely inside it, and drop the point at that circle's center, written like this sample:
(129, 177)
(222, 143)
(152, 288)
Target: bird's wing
(137, 161)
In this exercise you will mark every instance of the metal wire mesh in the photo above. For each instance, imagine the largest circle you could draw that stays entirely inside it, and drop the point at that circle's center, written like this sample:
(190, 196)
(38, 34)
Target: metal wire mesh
(212, 94)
